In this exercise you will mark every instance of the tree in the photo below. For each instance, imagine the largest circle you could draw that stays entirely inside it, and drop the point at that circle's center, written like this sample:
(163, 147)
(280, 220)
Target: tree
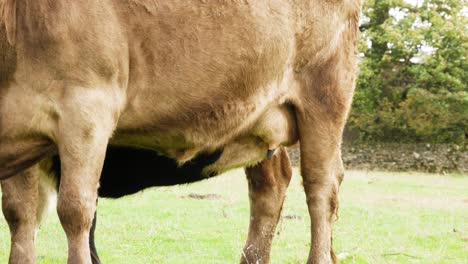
(413, 76)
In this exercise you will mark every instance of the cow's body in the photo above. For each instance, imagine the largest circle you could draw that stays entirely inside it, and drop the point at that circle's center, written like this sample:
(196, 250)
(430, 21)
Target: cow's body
(180, 79)
(179, 85)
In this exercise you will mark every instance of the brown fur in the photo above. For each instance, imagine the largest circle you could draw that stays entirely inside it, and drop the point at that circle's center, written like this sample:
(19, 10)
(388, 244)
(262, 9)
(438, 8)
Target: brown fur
(8, 16)
(7, 58)
(180, 79)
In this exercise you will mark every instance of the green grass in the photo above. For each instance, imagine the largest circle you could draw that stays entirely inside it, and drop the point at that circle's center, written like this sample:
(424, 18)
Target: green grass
(383, 218)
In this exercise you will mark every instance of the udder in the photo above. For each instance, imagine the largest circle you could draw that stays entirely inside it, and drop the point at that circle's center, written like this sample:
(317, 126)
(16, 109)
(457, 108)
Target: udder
(276, 127)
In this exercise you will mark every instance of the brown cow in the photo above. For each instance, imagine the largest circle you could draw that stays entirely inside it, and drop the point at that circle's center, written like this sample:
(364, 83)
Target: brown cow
(180, 79)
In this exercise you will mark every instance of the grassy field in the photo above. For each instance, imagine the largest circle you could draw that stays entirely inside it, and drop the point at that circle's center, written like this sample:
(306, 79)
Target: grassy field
(384, 218)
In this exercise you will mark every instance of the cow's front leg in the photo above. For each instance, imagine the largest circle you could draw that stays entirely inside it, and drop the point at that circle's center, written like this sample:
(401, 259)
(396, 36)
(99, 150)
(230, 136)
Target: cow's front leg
(327, 90)
(25, 200)
(268, 182)
(321, 185)
(84, 130)
(20, 198)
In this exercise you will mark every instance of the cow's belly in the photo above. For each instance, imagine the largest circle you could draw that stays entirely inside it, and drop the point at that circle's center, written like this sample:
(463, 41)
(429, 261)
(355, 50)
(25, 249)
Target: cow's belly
(243, 139)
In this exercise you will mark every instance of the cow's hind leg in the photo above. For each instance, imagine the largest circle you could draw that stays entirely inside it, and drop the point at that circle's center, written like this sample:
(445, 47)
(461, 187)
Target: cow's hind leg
(268, 182)
(89, 117)
(25, 200)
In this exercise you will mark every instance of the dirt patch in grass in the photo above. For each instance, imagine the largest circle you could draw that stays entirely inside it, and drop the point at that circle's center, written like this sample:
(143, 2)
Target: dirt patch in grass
(209, 196)
(292, 217)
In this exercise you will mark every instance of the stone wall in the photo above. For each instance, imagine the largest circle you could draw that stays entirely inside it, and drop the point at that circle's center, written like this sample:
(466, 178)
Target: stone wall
(439, 158)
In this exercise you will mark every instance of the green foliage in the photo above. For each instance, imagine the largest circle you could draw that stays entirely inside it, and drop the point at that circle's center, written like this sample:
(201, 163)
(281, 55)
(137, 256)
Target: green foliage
(412, 85)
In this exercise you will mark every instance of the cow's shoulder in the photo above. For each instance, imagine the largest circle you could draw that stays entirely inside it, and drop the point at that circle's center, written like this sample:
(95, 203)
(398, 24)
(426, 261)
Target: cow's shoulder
(79, 41)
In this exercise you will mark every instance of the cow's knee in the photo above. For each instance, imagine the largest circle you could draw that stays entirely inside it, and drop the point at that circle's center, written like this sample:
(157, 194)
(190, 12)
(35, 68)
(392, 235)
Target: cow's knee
(322, 197)
(75, 213)
(17, 216)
